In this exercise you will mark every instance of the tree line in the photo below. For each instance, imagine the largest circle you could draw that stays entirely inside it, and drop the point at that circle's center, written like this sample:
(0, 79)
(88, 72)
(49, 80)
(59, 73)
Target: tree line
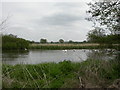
(60, 41)
(99, 36)
(11, 42)
(106, 13)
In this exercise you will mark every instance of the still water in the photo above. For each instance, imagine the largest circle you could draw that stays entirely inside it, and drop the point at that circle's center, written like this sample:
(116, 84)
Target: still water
(41, 56)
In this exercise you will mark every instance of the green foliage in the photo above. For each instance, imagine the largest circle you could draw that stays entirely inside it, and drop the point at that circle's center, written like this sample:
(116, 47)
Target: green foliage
(61, 41)
(70, 41)
(97, 36)
(14, 43)
(43, 40)
(54, 71)
(106, 13)
(57, 83)
(61, 75)
(66, 67)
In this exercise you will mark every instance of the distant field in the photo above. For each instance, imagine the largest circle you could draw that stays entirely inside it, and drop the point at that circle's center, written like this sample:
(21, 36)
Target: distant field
(90, 44)
(64, 46)
(71, 46)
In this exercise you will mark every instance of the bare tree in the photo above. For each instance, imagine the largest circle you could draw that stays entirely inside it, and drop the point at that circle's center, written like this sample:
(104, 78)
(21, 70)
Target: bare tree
(3, 24)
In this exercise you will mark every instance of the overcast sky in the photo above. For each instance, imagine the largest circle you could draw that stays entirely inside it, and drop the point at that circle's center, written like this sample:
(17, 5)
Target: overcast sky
(50, 20)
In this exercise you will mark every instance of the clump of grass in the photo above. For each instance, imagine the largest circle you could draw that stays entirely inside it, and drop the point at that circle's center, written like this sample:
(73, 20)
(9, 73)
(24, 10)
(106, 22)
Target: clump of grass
(65, 74)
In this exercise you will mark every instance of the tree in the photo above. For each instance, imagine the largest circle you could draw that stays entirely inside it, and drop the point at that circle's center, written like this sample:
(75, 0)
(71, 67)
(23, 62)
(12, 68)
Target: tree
(11, 42)
(51, 42)
(106, 13)
(3, 23)
(2, 27)
(96, 35)
(70, 41)
(43, 40)
(61, 41)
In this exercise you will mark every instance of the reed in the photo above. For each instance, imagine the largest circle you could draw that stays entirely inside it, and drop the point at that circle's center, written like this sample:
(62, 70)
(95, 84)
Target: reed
(69, 46)
(65, 74)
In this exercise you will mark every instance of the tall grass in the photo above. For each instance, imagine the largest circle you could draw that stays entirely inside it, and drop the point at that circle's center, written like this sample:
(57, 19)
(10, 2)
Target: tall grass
(66, 74)
(69, 46)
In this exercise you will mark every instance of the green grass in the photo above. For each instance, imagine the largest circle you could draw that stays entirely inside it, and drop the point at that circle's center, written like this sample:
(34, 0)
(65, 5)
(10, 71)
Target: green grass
(66, 74)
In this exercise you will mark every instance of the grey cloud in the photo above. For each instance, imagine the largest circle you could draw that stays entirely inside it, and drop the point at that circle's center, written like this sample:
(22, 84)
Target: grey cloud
(48, 20)
(60, 19)
(69, 5)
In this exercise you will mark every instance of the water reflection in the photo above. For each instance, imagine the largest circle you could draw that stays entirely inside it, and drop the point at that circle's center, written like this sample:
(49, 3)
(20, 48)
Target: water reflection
(40, 56)
(14, 54)
(11, 57)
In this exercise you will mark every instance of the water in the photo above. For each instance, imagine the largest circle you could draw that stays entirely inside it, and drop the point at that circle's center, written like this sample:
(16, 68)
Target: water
(41, 56)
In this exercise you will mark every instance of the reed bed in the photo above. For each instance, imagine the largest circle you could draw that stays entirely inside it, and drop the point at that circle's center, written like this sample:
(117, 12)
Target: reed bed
(65, 74)
(68, 46)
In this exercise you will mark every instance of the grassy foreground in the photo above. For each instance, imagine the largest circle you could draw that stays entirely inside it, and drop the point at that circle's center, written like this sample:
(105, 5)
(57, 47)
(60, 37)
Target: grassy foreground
(66, 74)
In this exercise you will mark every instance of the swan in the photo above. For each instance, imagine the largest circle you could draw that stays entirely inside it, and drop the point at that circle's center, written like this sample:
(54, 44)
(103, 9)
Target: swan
(64, 50)
(95, 50)
(25, 49)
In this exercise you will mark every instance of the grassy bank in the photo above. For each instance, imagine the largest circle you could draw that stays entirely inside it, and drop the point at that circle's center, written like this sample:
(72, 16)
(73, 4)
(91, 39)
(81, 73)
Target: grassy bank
(70, 46)
(66, 74)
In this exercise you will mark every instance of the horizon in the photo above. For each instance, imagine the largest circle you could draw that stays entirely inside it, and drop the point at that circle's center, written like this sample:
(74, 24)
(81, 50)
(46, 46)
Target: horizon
(51, 20)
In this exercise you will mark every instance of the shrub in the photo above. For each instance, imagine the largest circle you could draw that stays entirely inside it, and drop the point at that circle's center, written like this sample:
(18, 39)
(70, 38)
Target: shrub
(14, 43)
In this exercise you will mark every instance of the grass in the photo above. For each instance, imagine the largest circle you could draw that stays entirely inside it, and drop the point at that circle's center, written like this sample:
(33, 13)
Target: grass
(69, 46)
(66, 74)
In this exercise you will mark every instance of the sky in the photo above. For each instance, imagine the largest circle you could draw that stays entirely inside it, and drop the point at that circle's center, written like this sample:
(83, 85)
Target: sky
(49, 20)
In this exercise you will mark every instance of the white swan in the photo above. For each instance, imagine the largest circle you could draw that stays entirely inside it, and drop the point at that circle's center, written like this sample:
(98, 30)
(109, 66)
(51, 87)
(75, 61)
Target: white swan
(64, 51)
(95, 50)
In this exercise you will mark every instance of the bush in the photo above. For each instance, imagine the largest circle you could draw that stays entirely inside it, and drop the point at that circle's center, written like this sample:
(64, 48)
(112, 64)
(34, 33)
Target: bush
(14, 43)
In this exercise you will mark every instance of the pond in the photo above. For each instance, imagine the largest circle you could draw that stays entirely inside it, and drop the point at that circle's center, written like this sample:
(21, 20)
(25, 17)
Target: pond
(41, 56)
